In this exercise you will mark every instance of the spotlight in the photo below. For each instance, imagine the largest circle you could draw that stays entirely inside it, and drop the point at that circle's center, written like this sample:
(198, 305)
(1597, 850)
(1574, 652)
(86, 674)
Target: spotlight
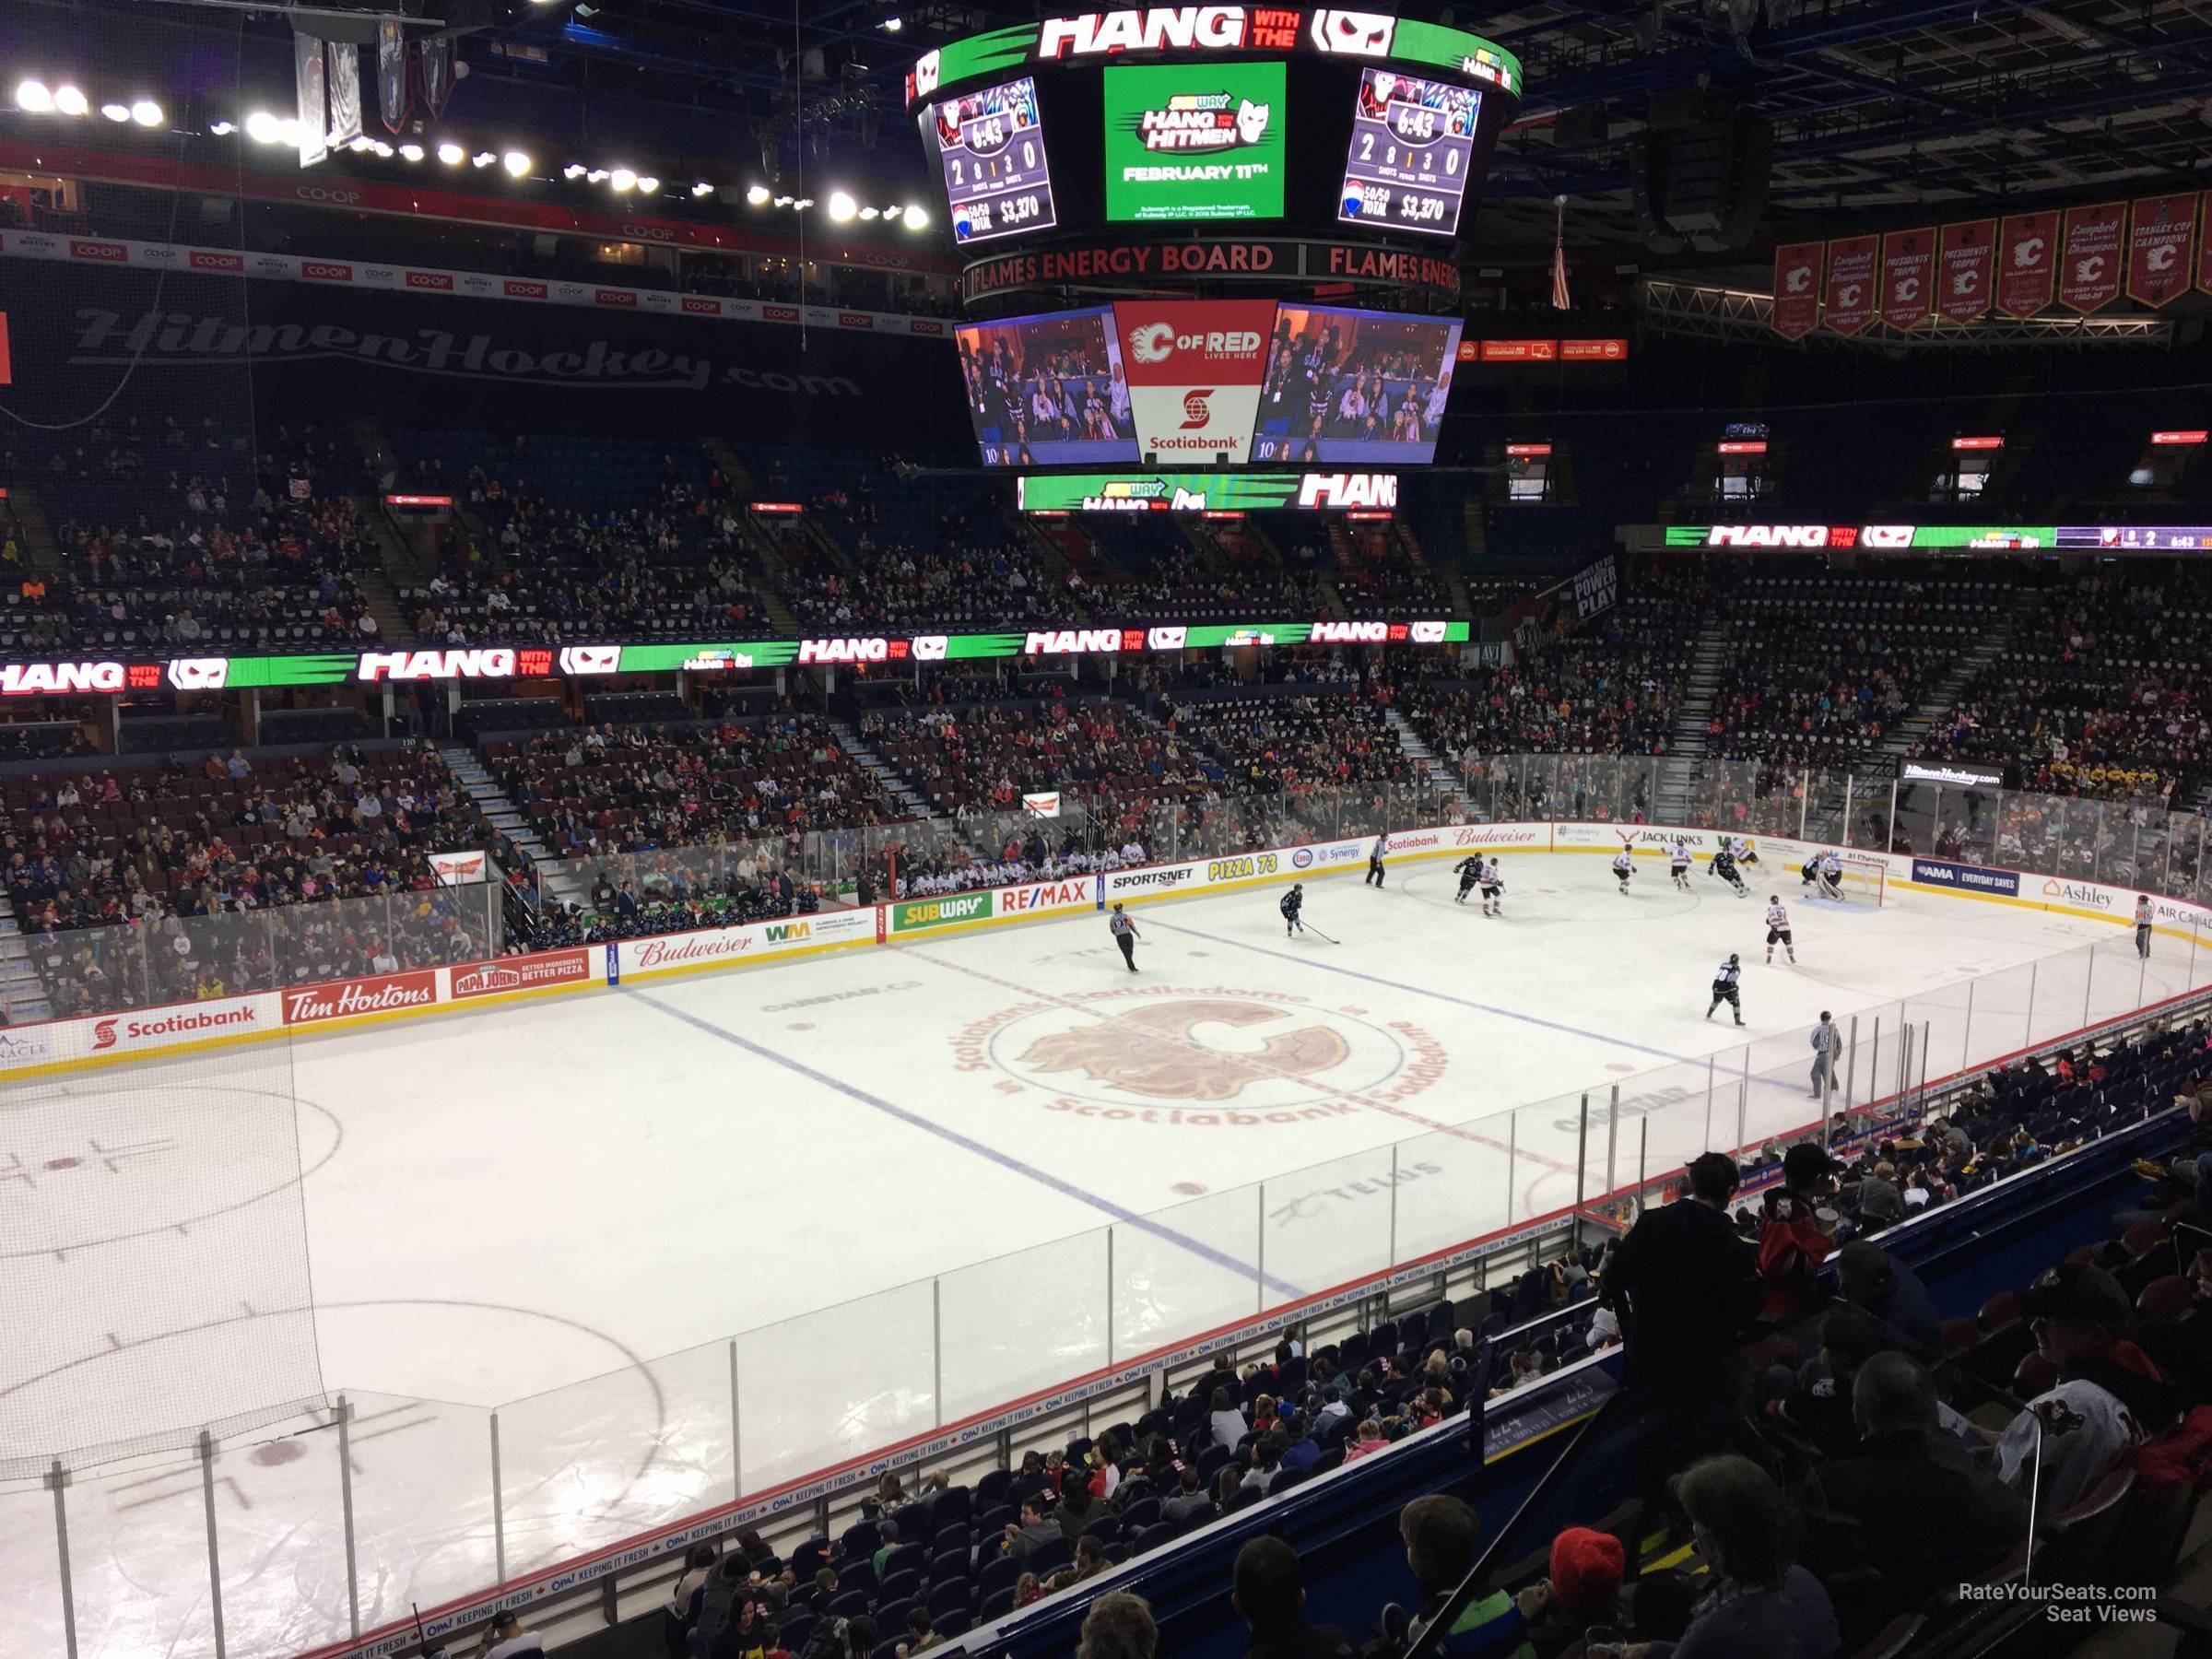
(572, 171)
(261, 126)
(623, 180)
(69, 100)
(893, 211)
(288, 132)
(482, 158)
(147, 112)
(891, 25)
(360, 142)
(648, 185)
(34, 97)
(757, 194)
(784, 201)
(841, 207)
(803, 204)
(410, 152)
(868, 213)
(223, 129)
(598, 175)
(115, 112)
(703, 189)
(516, 163)
(916, 220)
(452, 154)
(383, 150)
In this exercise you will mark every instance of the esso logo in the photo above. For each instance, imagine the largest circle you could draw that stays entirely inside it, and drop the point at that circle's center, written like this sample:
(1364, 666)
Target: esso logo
(325, 193)
(650, 232)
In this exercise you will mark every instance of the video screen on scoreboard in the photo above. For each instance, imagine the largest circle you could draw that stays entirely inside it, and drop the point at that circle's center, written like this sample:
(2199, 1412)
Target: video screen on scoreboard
(1048, 390)
(1194, 141)
(1352, 385)
(1412, 143)
(991, 150)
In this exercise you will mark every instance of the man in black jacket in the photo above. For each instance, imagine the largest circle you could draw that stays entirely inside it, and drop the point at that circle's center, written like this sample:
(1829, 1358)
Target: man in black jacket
(1273, 1604)
(1684, 1282)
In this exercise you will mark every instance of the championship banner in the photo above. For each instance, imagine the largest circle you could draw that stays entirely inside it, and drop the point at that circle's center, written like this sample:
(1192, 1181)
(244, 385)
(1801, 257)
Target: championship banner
(2159, 228)
(315, 102)
(2027, 262)
(1963, 270)
(391, 75)
(1194, 369)
(1908, 269)
(2204, 248)
(343, 70)
(1851, 282)
(2092, 264)
(1796, 311)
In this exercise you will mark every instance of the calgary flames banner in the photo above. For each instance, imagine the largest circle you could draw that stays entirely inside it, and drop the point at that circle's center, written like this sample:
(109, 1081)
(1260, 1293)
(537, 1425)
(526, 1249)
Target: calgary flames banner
(2159, 231)
(2204, 248)
(1194, 369)
(2027, 262)
(1851, 282)
(1908, 266)
(2092, 264)
(1796, 289)
(1962, 270)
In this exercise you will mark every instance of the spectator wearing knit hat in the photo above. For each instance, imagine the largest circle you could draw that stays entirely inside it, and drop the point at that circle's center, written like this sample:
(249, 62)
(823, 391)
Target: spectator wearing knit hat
(1583, 1589)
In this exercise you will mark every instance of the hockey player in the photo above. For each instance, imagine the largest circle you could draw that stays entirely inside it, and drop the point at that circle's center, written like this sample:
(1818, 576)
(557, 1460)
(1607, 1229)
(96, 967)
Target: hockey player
(1724, 988)
(1493, 888)
(1677, 865)
(1293, 901)
(1832, 876)
(1724, 865)
(1124, 935)
(1778, 928)
(1746, 854)
(1624, 866)
(1469, 870)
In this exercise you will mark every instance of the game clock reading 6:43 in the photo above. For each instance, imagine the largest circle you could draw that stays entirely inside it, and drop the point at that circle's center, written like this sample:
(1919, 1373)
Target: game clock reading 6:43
(1412, 140)
(997, 182)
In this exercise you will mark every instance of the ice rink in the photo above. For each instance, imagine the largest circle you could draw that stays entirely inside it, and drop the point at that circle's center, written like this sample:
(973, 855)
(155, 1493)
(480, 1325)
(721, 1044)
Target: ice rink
(911, 1184)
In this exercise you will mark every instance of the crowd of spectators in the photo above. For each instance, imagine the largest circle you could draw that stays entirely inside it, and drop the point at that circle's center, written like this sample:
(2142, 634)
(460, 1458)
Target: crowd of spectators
(955, 587)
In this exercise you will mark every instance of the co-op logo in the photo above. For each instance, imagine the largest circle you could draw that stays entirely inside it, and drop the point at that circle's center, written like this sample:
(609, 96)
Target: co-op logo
(1195, 413)
(649, 232)
(326, 192)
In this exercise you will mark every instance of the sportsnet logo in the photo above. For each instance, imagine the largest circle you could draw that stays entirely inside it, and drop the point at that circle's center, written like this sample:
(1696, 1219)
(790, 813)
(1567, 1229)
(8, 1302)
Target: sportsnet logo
(1160, 880)
(523, 973)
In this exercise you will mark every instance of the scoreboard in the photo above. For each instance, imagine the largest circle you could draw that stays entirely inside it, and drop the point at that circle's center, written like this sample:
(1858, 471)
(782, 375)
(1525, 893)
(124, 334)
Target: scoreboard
(991, 152)
(1412, 141)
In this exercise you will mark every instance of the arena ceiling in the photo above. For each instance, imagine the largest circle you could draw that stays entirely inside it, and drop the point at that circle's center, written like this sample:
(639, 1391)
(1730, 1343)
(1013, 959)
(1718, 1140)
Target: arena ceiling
(1881, 107)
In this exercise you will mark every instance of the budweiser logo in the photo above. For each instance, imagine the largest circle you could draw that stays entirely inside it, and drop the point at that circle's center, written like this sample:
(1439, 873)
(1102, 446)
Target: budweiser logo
(347, 997)
(694, 947)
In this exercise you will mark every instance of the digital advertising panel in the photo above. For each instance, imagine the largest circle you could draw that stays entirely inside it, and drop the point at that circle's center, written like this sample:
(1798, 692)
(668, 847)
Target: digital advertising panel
(991, 153)
(1195, 368)
(1049, 390)
(1412, 141)
(1194, 141)
(1355, 386)
(1135, 491)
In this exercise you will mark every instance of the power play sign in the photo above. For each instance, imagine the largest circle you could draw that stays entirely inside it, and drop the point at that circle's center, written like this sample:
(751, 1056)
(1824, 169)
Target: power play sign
(1194, 369)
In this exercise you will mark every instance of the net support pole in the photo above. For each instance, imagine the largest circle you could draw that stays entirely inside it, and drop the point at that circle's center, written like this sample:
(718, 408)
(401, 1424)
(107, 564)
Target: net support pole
(353, 1573)
(215, 1558)
(1512, 1137)
(57, 1482)
(1743, 1104)
(1966, 1038)
(1873, 1064)
(1582, 1160)
(936, 1346)
(1110, 1295)
(1259, 1279)
(1851, 1069)
(736, 1431)
(1613, 1142)
(1927, 1033)
(1705, 1142)
(499, 1507)
(2089, 988)
(1643, 1149)
(2027, 1032)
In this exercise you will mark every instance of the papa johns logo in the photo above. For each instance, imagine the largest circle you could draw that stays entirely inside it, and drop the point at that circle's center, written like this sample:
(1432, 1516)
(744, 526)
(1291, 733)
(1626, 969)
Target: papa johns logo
(1168, 1055)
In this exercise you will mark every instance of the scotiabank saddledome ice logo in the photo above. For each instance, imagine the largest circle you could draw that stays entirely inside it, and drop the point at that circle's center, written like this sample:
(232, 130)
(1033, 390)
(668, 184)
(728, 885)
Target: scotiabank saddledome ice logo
(1167, 1054)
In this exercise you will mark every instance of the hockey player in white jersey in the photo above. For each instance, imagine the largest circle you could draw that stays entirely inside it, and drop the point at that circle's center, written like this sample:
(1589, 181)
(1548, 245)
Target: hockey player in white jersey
(1493, 888)
(1725, 990)
(1778, 928)
(1746, 854)
(1677, 865)
(1469, 870)
(1624, 866)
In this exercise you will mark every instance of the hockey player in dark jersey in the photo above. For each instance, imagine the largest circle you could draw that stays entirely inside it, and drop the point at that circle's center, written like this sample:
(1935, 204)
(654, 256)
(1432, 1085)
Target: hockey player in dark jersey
(1724, 979)
(1293, 901)
(1724, 865)
(1470, 870)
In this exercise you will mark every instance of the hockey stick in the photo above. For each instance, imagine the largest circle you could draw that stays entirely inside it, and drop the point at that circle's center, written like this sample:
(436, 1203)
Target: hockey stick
(1318, 934)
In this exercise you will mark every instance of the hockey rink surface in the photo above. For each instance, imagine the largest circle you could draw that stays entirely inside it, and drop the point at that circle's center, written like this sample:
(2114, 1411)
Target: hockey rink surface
(533, 1208)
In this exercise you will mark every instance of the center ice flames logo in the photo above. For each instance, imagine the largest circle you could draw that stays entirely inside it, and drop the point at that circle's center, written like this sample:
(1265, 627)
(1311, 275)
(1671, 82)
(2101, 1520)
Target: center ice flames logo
(1153, 1052)
(1199, 1055)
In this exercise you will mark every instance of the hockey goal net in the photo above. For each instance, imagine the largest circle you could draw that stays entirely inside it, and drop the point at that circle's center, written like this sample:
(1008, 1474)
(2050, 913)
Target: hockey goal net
(1864, 880)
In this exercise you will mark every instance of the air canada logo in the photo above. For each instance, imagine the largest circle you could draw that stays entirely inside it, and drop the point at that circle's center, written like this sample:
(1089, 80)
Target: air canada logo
(1172, 1055)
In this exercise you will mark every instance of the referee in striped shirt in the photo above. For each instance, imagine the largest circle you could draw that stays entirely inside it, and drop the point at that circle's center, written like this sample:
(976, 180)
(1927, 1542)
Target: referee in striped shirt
(1124, 935)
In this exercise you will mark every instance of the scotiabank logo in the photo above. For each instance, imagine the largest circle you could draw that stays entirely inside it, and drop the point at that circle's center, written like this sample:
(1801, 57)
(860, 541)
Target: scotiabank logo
(202, 260)
(311, 1004)
(323, 270)
(113, 253)
(431, 279)
(131, 1030)
(523, 973)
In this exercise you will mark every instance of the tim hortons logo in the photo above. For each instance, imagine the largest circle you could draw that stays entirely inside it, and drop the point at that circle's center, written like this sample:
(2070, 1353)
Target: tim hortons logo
(1153, 1052)
(309, 1004)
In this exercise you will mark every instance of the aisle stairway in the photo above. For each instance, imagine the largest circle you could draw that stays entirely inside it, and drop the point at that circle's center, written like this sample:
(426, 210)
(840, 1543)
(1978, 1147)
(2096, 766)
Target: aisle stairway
(1442, 781)
(1907, 734)
(910, 800)
(557, 881)
(22, 993)
(1686, 744)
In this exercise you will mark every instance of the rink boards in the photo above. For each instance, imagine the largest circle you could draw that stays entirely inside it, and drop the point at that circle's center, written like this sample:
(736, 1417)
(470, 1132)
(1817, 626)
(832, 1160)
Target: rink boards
(64, 1045)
